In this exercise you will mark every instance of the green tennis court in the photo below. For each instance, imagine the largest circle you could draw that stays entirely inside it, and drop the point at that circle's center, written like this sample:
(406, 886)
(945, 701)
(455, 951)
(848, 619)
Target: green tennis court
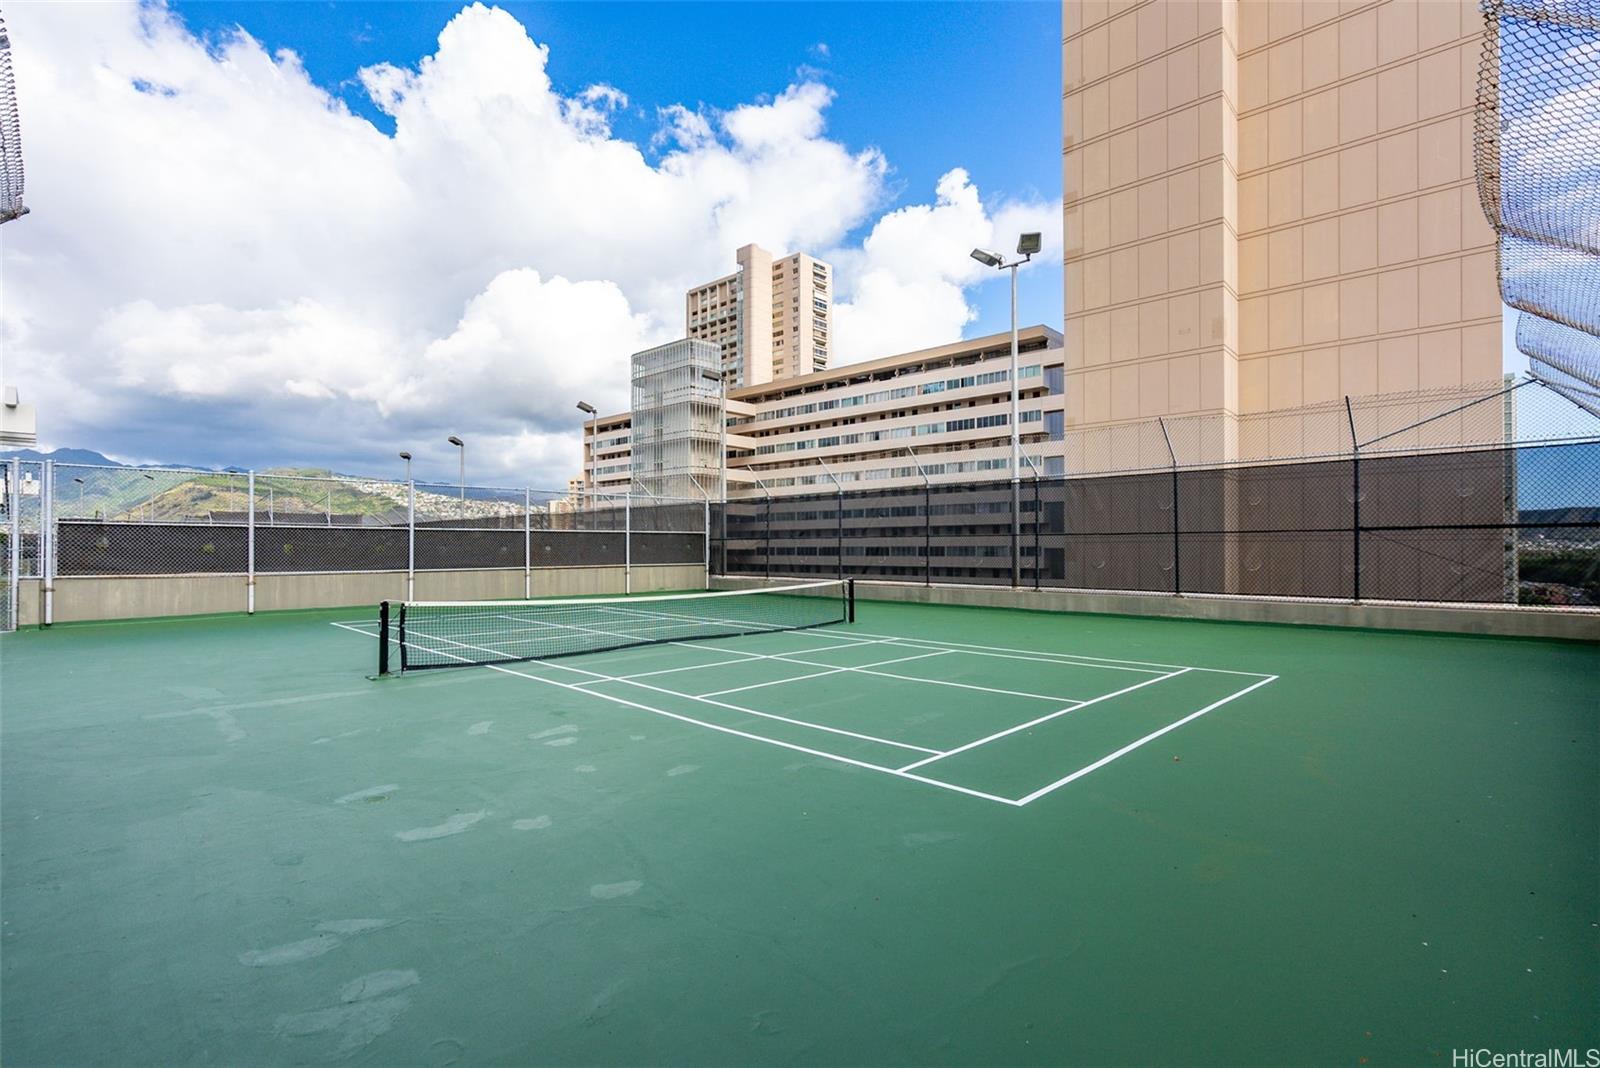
(932, 835)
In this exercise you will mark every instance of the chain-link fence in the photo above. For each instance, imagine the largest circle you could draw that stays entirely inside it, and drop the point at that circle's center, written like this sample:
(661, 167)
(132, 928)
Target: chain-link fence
(72, 520)
(1384, 503)
(1516, 525)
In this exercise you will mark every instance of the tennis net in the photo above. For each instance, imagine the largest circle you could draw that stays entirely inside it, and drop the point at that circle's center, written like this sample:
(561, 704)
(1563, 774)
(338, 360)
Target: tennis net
(437, 634)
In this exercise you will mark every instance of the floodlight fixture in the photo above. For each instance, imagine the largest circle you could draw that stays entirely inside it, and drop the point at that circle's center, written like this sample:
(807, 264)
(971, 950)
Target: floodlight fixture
(1028, 244)
(987, 258)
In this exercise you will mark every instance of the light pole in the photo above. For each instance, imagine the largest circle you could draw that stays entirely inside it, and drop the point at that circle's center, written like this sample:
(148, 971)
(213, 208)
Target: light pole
(149, 502)
(1027, 245)
(79, 481)
(593, 458)
(458, 443)
(406, 456)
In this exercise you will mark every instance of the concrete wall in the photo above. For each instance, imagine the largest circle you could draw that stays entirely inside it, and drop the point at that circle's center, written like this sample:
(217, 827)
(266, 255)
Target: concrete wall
(1573, 624)
(80, 599)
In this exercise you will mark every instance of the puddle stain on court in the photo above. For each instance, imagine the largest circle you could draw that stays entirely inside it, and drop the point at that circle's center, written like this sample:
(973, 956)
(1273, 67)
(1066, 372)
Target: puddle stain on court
(537, 823)
(331, 934)
(682, 769)
(481, 727)
(226, 724)
(367, 1008)
(456, 824)
(609, 891)
(341, 734)
(556, 733)
(371, 793)
(584, 769)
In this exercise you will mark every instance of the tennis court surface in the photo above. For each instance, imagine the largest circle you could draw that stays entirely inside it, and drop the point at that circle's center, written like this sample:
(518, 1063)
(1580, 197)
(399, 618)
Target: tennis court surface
(749, 830)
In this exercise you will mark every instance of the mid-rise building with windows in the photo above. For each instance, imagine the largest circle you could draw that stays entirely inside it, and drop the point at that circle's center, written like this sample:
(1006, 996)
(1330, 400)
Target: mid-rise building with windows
(772, 318)
(943, 413)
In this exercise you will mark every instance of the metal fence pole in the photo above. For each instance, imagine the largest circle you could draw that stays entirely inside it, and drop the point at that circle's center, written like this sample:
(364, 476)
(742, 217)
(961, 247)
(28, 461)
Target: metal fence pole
(708, 539)
(766, 553)
(1355, 502)
(1016, 531)
(14, 511)
(250, 547)
(1038, 549)
(527, 542)
(840, 534)
(411, 541)
(627, 542)
(47, 542)
(1172, 455)
(927, 533)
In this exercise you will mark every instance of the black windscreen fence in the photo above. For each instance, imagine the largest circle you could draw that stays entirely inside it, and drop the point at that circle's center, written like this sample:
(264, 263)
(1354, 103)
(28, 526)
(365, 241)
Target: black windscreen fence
(1507, 525)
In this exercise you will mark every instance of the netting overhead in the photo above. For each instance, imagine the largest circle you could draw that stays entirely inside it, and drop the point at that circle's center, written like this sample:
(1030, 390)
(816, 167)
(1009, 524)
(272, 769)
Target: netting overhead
(1537, 147)
(11, 204)
(1566, 360)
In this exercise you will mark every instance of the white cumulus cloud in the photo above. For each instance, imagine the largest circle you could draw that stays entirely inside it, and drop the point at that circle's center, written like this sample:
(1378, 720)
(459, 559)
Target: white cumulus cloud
(225, 264)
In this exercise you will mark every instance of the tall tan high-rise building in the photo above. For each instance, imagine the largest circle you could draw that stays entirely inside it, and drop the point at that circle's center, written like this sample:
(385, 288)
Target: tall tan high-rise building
(773, 318)
(1270, 204)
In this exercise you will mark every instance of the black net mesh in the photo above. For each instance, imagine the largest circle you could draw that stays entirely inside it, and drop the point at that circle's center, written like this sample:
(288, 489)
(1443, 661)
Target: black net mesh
(458, 634)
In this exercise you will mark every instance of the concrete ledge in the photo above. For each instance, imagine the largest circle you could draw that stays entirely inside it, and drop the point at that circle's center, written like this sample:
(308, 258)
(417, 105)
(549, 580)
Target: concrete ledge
(104, 597)
(1570, 624)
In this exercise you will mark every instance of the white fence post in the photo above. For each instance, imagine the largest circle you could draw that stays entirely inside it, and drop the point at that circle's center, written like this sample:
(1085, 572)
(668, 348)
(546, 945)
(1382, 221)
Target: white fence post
(47, 541)
(250, 550)
(411, 541)
(14, 513)
(527, 542)
(627, 541)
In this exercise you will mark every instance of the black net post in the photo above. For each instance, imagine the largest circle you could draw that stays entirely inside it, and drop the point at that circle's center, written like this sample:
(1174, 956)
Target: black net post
(850, 601)
(383, 638)
(766, 552)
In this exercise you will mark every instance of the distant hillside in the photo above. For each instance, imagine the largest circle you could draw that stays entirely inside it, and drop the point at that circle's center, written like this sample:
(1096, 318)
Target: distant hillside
(1539, 516)
(61, 456)
(94, 459)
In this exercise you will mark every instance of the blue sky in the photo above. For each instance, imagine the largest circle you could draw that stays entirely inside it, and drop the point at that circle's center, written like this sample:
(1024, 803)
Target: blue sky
(313, 234)
(933, 85)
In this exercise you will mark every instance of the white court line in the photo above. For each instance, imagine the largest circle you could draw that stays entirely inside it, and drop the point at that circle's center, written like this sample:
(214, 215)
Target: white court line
(1054, 657)
(830, 671)
(903, 772)
(601, 677)
(1033, 659)
(577, 688)
(1131, 746)
(742, 658)
(789, 659)
(1042, 719)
